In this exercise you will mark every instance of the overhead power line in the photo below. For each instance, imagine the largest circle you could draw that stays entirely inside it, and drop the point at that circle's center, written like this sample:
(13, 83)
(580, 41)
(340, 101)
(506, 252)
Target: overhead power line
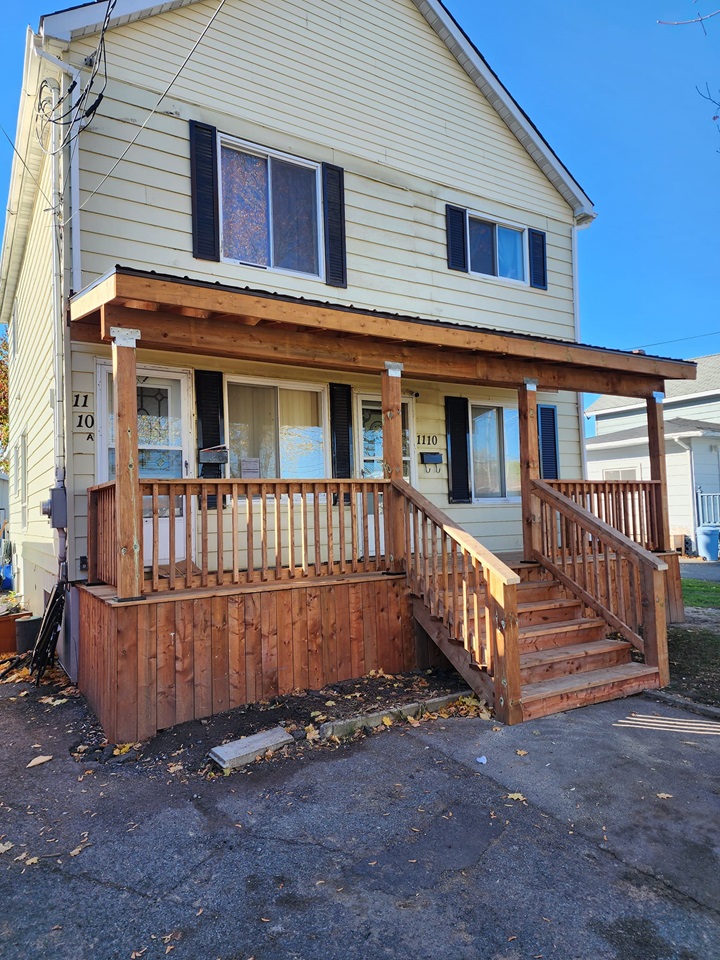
(152, 112)
(659, 343)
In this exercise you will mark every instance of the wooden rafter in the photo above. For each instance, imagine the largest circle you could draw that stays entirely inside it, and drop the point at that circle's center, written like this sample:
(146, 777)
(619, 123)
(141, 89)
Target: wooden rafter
(204, 319)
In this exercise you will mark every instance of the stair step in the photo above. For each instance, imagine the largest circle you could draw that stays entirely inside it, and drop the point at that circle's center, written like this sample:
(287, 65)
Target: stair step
(548, 611)
(540, 590)
(539, 665)
(565, 634)
(566, 693)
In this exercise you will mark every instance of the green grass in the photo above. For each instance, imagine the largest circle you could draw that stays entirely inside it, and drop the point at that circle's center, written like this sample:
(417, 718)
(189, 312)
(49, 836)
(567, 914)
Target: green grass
(701, 593)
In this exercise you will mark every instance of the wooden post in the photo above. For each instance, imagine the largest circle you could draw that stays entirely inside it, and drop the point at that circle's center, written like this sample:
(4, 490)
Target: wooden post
(392, 459)
(655, 622)
(529, 467)
(501, 624)
(128, 504)
(658, 467)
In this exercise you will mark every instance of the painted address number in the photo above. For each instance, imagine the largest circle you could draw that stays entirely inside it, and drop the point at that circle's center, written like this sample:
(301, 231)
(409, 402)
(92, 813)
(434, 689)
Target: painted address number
(85, 421)
(427, 440)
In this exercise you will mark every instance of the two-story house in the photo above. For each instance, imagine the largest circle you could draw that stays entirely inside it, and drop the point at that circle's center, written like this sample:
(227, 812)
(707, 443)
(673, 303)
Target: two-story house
(292, 293)
(619, 449)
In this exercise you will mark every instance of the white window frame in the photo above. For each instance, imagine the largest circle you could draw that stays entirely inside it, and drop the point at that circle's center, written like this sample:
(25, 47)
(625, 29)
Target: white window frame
(409, 402)
(637, 467)
(278, 385)
(256, 150)
(511, 225)
(489, 405)
(102, 433)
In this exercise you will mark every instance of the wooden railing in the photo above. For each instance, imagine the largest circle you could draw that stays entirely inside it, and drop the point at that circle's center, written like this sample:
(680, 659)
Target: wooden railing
(203, 533)
(469, 589)
(632, 507)
(708, 508)
(102, 534)
(614, 576)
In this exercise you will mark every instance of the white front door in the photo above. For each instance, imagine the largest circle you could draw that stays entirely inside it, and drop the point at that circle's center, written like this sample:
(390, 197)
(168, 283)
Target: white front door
(370, 459)
(164, 444)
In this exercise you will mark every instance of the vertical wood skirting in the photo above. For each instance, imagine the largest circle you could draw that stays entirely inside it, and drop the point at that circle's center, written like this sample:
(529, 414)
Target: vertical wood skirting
(658, 468)
(128, 505)
(529, 468)
(147, 666)
(392, 456)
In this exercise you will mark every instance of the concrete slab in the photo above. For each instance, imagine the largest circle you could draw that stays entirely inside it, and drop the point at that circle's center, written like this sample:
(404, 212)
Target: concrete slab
(238, 753)
(396, 845)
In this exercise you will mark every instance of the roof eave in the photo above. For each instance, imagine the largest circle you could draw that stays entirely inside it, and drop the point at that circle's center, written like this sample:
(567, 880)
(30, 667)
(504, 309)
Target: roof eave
(25, 171)
(479, 71)
(87, 19)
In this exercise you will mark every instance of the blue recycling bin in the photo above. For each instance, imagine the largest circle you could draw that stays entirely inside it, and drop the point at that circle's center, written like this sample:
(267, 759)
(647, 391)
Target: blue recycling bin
(707, 541)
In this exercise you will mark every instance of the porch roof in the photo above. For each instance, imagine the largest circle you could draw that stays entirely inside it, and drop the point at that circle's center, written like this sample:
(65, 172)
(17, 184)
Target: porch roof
(213, 319)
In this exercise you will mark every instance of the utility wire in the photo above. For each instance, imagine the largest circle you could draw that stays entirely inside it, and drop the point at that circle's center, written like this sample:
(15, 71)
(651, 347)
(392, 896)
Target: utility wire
(659, 343)
(152, 112)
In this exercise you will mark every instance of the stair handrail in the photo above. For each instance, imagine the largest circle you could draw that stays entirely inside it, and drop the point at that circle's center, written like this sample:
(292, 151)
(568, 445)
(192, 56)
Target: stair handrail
(628, 593)
(448, 583)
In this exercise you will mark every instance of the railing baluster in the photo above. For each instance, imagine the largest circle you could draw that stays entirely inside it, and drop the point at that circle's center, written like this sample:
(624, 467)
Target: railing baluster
(235, 533)
(278, 531)
(172, 552)
(263, 532)
(155, 538)
(250, 534)
(316, 526)
(220, 534)
(291, 529)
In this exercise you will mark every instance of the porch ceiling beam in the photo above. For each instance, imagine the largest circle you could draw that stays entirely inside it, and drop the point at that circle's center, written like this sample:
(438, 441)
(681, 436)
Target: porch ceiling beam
(222, 338)
(240, 303)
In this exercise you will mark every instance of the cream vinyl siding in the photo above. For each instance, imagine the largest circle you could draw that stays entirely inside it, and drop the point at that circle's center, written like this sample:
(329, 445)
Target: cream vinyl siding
(31, 414)
(497, 524)
(706, 457)
(704, 408)
(337, 82)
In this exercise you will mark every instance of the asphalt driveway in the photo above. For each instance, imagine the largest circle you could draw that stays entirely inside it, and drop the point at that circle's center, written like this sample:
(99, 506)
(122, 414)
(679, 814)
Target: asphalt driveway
(400, 845)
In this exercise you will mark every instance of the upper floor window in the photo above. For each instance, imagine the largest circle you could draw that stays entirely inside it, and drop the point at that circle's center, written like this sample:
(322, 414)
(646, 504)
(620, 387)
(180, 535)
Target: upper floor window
(270, 213)
(478, 244)
(253, 205)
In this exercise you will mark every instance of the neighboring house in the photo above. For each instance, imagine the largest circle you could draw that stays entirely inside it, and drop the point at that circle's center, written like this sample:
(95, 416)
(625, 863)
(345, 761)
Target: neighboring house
(303, 332)
(619, 451)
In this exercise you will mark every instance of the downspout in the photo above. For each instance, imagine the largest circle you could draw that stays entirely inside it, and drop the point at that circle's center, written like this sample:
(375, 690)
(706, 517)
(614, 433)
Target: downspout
(58, 292)
(576, 315)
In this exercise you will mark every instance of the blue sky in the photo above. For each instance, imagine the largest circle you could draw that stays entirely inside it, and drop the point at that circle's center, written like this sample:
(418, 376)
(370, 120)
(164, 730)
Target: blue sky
(614, 94)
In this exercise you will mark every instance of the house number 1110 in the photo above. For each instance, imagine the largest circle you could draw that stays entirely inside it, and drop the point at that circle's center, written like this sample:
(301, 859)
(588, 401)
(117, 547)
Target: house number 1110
(427, 440)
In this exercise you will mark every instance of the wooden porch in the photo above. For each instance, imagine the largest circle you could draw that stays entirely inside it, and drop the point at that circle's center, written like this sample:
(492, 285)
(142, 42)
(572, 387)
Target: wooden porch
(206, 594)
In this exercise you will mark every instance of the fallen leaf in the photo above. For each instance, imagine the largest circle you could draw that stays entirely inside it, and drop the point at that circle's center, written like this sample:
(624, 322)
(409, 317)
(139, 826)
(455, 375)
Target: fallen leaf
(521, 753)
(36, 761)
(265, 919)
(496, 729)
(31, 861)
(136, 954)
(664, 796)
(312, 732)
(175, 767)
(511, 938)
(516, 796)
(329, 703)
(121, 748)
(387, 721)
(78, 850)
(4, 847)
(168, 949)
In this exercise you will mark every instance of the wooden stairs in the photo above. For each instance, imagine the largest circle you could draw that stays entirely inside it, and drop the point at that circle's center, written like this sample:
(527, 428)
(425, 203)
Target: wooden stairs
(567, 659)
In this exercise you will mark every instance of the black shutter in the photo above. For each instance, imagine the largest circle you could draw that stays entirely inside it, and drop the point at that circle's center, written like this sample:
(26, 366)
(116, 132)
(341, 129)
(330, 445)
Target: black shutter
(334, 218)
(341, 430)
(548, 436)
(538, 259)
(458, 449)
(456, 220)
(204, 185)
(209, 403)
